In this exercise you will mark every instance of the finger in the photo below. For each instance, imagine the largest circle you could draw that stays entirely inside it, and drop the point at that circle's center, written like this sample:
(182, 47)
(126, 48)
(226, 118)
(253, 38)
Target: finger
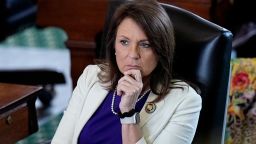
(122, 89)
(122, 86)
(126, 80)
(119, 92)
(131, 83)
(129, 79)
(134, 73)
(126, 84)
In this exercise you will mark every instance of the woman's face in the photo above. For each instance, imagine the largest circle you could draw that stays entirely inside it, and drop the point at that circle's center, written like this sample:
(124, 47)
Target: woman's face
(133, 50)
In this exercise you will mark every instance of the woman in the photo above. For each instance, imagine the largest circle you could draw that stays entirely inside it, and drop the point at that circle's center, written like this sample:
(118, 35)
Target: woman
(132, 98)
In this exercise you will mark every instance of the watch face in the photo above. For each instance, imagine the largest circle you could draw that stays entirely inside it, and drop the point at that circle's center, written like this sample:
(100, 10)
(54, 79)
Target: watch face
(134, 119)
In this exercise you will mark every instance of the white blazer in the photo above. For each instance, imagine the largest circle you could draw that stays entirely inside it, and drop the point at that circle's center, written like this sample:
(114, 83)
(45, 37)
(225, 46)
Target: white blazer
(173, 122)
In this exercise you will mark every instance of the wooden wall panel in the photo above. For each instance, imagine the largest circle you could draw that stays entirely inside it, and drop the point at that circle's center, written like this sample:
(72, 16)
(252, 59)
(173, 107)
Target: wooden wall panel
(84, 19)
(199, 7)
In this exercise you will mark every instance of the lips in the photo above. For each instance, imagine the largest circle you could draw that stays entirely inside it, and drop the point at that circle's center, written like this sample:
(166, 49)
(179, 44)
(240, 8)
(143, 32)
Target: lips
(130, 67)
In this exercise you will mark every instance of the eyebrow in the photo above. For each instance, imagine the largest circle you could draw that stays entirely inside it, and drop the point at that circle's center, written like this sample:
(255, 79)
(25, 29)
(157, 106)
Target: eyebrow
(144, 40)
(124, 36)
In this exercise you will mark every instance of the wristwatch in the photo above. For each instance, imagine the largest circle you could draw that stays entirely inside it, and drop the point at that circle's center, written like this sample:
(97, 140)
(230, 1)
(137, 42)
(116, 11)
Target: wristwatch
(134, 119)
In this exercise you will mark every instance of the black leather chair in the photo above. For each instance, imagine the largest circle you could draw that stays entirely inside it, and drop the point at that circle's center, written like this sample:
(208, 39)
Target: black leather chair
(203, 52)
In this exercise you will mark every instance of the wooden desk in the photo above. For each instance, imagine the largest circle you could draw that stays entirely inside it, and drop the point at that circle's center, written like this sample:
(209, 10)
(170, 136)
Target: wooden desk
(18, 117)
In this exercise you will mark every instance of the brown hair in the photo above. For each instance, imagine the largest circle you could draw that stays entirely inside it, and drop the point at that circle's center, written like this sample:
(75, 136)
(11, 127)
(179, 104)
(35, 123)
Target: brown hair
(155, 22)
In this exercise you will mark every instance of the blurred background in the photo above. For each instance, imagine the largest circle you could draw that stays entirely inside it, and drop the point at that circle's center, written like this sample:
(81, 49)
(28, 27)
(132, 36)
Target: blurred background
(49, 42)
(34, 55)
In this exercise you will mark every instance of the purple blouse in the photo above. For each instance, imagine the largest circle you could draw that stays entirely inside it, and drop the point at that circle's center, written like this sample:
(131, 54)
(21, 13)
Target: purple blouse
(104, 126)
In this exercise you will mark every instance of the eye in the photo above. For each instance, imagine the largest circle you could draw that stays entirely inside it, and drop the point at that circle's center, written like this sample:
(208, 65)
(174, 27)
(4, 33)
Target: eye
(144, 45)
(124, 42)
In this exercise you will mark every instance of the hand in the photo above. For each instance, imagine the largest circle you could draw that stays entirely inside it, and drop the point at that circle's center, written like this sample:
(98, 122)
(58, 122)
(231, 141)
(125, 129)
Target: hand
(129, 87)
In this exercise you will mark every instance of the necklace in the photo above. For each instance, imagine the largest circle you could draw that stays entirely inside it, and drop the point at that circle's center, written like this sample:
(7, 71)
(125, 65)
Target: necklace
(113, 100)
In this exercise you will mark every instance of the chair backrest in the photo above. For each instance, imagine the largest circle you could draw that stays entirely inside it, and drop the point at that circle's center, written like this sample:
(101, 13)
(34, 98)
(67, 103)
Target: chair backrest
(202, 56)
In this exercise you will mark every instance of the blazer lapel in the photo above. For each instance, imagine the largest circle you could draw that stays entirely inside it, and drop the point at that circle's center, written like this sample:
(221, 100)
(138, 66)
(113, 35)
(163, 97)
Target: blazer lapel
(95, 97)
(147, 116)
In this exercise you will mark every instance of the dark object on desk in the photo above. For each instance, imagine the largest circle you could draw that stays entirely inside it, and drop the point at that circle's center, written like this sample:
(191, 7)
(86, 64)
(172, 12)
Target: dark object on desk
(42, 77)
(18, 117)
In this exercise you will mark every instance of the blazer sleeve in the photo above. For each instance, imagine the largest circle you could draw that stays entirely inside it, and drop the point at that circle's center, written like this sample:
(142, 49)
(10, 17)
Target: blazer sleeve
(181, 127)
(65, 131)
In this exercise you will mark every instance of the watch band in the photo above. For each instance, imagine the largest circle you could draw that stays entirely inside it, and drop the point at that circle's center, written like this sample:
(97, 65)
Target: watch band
(134, 119)
(127, 114)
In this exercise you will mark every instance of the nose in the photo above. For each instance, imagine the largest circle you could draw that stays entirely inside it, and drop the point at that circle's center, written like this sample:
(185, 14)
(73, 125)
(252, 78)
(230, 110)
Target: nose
(134, 52)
